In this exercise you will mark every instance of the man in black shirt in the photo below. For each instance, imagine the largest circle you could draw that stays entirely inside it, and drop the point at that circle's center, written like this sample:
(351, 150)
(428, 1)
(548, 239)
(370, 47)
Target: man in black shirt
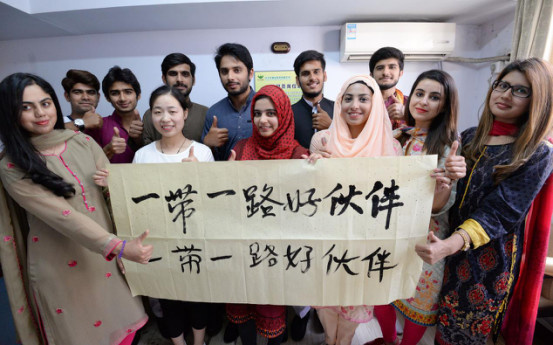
(313, 112)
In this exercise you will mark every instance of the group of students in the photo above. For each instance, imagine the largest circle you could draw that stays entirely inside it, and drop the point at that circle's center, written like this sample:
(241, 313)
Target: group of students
(486, 181)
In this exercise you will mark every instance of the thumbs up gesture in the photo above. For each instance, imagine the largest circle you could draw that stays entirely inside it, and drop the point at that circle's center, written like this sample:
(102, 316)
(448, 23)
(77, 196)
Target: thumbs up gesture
(117, 144)
(321, 120)
(216, 137)
(136, 251)
(432, 251)
(137, 127)
(92, 120)
(191, 157)
(396, 109)
(232, 156)
(455, 165)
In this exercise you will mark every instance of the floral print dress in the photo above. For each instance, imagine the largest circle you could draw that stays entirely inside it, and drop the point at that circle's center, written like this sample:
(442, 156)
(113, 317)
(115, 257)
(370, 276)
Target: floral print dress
(478, 282)
(422, 309)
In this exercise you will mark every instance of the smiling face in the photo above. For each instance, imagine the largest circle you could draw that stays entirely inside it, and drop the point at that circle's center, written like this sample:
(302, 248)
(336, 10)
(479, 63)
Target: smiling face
(168, 116)
(38, 112)
(180, 77)
(311, 78)
(234, 75)
(387, 73)
(504, 106)
(265, 117)
(356, 107)
(426, 102)
(83, 98)
(123, 97)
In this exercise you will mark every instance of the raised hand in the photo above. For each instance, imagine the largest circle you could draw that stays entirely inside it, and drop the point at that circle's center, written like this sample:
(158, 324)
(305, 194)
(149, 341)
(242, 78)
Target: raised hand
(232, 156)
(92, 120)
(436, 249)
(137, 127)
(321, 120)
(455, 166)
(136, 251)
(216, 137)
(117, 144)
(191, 157)
(396, 109)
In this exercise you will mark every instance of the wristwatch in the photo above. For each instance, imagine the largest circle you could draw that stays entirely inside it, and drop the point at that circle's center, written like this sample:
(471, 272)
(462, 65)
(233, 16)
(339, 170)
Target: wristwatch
(80, 124)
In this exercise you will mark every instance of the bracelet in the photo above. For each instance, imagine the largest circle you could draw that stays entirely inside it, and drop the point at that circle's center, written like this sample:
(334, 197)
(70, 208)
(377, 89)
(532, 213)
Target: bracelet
(466, 240)
(120, 255)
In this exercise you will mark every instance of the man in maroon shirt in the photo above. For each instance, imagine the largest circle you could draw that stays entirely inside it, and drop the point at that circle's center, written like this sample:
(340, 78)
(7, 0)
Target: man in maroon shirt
(121, 133)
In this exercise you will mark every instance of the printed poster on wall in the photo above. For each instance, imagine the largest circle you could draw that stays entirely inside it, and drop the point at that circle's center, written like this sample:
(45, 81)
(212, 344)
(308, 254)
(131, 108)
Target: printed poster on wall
(286, 80)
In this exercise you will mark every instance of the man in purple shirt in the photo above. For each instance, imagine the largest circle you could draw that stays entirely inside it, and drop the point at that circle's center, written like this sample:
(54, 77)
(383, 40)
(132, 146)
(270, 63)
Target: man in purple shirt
(121, 132)
(386, 66)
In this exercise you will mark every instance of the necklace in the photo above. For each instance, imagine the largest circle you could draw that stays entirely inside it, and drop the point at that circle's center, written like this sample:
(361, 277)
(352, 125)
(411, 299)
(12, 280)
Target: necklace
(161, 146)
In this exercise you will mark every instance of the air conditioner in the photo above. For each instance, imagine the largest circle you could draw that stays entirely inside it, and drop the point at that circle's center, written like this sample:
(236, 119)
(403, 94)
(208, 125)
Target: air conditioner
(418, 41)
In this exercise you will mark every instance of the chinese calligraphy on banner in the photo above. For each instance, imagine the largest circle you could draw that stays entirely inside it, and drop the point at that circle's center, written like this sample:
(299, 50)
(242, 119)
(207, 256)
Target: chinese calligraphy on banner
(340, 232)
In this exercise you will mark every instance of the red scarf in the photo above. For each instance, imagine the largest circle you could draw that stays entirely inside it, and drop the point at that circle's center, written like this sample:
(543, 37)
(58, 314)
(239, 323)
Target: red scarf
(520, 321)
(502, 128)
(281, 144)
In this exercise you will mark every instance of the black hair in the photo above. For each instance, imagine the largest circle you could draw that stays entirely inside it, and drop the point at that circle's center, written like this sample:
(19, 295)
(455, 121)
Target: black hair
(167, 90)
(175, 59)
(236, 50)
(17, 141)
(443, 129)
(75, 76)
(386, 53)
(308, 55)
(124, 75)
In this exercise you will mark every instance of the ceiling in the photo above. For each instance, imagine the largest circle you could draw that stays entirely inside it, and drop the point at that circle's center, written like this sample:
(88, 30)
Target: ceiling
(21, 19)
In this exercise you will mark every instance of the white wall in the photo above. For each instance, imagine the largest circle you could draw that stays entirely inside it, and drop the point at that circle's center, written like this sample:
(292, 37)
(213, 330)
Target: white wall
(143, 52)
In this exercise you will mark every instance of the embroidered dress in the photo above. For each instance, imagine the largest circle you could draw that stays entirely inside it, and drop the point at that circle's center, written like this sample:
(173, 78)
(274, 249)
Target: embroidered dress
(80, 297)
(477, 283)
(422, 309)
(270, 320)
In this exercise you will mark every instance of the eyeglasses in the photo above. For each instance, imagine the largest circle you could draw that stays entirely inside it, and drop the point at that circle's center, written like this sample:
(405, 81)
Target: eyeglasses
(516, 90)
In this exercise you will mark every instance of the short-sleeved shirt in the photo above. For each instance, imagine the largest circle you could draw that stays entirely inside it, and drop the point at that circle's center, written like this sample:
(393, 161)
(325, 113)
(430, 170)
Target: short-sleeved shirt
(238, 123)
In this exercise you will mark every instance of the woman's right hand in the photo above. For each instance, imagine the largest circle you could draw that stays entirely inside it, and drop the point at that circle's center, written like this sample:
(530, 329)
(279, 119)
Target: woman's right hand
(455, 165)
(135, 251)
(100, 177)
(436, 249)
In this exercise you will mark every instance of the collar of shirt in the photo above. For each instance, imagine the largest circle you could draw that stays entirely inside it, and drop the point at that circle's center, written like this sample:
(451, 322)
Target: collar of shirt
(314, 109)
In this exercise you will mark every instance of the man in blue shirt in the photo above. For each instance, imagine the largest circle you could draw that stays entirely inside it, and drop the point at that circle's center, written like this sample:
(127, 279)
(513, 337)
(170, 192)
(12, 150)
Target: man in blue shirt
(229, 120)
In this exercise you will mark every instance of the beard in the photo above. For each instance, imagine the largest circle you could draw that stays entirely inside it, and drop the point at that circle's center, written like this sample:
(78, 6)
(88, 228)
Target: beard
(240, 91)
(185, 92)
(313, 94)
(387, 86)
